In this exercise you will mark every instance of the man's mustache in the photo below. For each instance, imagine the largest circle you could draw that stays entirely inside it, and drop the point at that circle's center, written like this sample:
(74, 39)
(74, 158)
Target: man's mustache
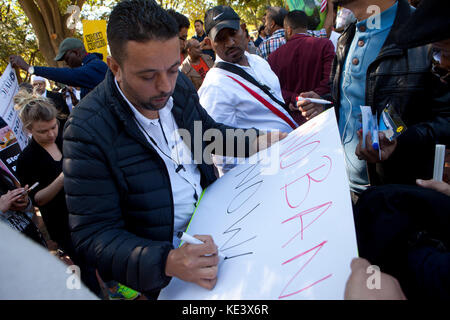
(164, 95)
(231, 49)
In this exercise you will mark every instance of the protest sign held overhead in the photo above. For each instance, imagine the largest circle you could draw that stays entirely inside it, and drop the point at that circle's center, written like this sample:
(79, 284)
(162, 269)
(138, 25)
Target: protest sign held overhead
(94, 37)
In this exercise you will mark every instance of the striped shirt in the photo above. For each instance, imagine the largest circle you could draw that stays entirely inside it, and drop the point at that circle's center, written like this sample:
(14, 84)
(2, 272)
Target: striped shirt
(322, 33)
(272, 43)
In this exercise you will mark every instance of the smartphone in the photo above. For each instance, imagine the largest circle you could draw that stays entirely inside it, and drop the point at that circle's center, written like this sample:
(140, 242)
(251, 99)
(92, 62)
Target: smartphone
(30, 188)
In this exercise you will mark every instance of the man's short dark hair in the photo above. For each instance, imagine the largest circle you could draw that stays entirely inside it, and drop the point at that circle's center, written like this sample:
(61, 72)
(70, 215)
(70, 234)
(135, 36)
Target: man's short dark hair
(182, 20)
(296, 19)
(198, 21)
(277, 14)
(138, 20)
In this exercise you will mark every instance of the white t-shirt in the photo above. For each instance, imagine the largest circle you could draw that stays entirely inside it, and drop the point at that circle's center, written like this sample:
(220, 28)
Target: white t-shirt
(229, 103)
(186, 182)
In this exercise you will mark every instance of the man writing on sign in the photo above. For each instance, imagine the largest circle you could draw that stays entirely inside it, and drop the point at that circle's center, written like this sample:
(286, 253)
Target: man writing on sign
(128, 191)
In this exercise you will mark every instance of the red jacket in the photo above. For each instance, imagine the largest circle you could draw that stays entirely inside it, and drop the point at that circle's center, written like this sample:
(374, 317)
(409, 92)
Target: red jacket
(303, 64)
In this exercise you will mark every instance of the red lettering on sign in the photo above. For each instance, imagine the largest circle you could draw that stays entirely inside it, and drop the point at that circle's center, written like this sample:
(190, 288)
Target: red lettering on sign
(300, 215)
(317, 248)
(325, 169)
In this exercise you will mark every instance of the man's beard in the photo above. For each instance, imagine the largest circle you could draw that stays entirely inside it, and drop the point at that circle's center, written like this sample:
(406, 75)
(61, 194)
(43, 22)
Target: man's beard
(151, 106)
(147, 105)
(237, 56)
(40, 92)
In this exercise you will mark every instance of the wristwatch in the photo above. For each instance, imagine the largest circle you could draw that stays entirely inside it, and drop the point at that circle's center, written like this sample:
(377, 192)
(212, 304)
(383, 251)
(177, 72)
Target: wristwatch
(31, 70)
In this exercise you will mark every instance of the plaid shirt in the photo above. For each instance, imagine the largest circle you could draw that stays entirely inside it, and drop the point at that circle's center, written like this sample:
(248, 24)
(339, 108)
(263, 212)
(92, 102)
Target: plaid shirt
(272, 43)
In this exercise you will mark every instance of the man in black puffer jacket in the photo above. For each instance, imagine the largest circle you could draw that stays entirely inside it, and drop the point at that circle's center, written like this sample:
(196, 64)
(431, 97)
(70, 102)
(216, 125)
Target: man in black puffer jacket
(396, 76)
(127, 186)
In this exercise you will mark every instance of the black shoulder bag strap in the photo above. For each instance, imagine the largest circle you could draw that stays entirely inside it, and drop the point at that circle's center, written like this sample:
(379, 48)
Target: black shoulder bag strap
(241, 72)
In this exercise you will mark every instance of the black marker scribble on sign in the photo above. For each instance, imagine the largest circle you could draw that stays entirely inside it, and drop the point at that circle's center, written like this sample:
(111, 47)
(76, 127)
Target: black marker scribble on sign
(241, 194)
(251, 168)
(237, 255)
(247, 187)
(244, 181)
(237, 230)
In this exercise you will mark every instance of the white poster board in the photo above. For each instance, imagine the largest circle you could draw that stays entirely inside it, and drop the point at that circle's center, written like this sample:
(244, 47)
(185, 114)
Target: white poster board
(287, 233)
(8, 89)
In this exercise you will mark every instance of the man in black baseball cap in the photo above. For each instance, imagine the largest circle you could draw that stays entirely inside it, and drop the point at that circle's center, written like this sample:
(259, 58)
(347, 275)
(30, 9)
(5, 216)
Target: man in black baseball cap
(222, 24)
(220, 17)
(229, 91)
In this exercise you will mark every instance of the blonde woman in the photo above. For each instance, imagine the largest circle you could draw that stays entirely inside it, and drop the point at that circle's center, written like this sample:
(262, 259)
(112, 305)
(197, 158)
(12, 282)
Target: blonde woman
(41, 161)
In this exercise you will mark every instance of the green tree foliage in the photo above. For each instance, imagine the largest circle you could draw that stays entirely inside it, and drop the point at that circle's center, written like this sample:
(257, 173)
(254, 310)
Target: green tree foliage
(34, 28)
(252, 11)
(16, 35)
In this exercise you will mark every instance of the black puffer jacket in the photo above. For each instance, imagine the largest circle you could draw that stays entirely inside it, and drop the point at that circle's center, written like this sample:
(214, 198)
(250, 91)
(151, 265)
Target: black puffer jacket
(117, 187)
(403, 79)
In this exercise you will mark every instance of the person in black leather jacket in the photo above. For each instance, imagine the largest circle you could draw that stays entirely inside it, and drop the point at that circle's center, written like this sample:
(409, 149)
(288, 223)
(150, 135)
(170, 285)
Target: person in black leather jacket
(122, 185)
(403, 229)
(402, 78)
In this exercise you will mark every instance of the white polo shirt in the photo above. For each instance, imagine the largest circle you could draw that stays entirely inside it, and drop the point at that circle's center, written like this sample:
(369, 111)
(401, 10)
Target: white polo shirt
(171, 148)
(229, 103)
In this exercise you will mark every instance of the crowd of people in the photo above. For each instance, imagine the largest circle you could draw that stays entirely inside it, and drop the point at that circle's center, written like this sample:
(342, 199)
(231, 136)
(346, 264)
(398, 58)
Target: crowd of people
(114, 187)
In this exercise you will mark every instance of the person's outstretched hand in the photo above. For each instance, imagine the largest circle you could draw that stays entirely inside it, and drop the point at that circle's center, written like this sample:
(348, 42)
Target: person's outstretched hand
(357, 284)
(435, 185)
(17, 61)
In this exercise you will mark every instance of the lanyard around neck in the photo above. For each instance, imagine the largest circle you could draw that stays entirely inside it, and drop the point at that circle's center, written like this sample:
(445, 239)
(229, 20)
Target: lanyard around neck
(178, 163)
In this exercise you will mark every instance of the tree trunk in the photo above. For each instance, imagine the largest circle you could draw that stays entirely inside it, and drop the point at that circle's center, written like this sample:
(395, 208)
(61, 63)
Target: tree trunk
(40, 29)
(49, 25)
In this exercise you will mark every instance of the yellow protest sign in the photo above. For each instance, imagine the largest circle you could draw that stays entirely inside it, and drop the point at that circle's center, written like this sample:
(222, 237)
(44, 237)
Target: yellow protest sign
(94, 37)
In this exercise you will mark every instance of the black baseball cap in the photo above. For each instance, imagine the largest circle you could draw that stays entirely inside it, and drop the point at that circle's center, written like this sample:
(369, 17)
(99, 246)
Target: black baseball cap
(218, 18)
